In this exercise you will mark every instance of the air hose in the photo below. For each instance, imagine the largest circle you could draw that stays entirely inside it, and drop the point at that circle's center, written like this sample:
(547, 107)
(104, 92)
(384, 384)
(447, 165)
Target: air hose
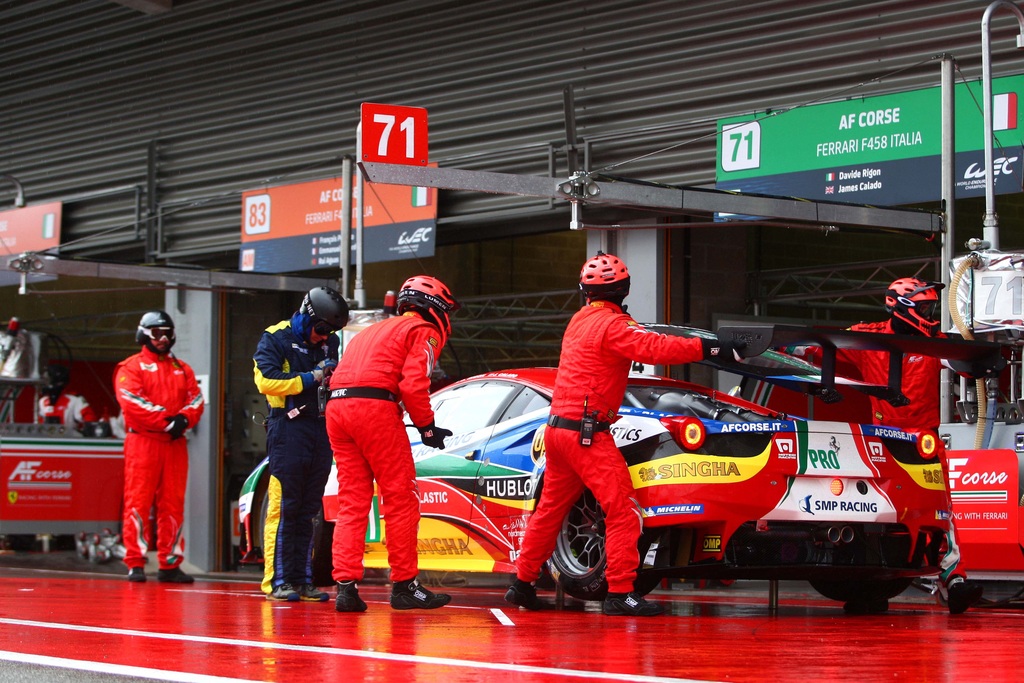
(983, 430)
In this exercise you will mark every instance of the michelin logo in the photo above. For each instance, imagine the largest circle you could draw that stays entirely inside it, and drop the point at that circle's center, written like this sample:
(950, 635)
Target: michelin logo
(690, 509)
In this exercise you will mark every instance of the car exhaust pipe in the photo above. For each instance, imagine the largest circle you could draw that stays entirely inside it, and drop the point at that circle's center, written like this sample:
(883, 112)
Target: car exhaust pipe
(835, 535)
(831, 534)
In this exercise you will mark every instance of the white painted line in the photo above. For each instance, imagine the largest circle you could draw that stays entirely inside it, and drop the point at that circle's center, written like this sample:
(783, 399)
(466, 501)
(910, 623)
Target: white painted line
(502, 617)
(383, 656)
(118, 669)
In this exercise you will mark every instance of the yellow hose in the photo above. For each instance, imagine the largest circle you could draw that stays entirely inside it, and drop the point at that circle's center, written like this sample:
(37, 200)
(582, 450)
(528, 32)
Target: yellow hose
(971, 261)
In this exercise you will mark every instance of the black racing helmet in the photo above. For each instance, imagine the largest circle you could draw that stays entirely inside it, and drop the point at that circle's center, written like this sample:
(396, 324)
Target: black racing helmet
(153, 326)
(326, 308)
(57, 377)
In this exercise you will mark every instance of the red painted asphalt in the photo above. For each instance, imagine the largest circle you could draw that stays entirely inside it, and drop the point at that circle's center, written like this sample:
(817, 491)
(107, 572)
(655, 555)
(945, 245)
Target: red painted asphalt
(226, 630)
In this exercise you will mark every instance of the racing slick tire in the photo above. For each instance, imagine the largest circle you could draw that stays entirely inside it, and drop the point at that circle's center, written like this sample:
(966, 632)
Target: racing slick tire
(861, 591)
(579, 561)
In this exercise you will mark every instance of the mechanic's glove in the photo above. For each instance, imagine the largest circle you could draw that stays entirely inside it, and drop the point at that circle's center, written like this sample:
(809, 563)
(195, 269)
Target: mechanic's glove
(717, 349)
(323, 370)
(311, 379)
(977, 369)
(434, 436)
(176, 426)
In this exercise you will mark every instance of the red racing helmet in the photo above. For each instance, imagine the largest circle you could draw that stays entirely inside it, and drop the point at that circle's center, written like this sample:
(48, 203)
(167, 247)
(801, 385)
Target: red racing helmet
(914, 302)
(604, 277)
(431, 298)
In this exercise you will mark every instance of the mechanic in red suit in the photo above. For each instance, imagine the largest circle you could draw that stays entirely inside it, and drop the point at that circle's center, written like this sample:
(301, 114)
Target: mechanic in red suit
(913, 308)
(388, 363)
(292, 358)
(60, 407)
(598, 348)
(160, 400)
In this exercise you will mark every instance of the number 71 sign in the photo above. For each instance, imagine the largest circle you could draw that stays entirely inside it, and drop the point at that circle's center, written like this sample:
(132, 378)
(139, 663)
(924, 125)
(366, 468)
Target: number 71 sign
(393, 134)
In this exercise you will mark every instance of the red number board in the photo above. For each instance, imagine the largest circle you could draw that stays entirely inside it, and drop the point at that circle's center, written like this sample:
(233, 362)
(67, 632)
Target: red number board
(393, 134)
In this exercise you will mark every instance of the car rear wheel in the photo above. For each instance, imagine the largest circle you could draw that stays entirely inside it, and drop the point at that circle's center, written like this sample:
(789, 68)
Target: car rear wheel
(323, 539)
(861, 591)
(578, 562)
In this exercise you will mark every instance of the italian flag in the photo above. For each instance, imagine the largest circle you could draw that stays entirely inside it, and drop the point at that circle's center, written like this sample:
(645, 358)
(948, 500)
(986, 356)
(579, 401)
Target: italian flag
(421, 196)
(829, 177)
(1004, 111)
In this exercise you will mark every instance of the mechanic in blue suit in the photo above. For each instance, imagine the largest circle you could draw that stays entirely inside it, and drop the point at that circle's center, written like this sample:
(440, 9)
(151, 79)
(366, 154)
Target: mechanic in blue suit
(292, 359)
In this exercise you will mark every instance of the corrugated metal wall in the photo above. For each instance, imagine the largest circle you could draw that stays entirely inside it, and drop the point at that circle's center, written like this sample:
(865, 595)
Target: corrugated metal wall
(226, 95)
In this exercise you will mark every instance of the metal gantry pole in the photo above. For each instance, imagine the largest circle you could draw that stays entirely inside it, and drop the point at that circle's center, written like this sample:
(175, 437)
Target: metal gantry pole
(346, 224)
(948, 105)
(990, 223)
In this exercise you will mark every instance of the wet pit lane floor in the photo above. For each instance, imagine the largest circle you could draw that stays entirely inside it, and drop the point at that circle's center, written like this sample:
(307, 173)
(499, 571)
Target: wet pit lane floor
(93, 625)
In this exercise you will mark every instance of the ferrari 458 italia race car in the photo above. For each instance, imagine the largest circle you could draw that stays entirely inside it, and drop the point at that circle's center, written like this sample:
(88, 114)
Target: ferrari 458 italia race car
(728, 490)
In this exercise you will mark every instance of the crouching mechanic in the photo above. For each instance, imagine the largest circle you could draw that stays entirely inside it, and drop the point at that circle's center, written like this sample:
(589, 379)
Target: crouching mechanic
(160, 400)
(913, 308)
(292, 358)
(62, 407)
(388, 363)
(598, 348)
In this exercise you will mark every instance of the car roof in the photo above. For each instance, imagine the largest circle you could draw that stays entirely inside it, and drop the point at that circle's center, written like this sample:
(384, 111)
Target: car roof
(542, 380)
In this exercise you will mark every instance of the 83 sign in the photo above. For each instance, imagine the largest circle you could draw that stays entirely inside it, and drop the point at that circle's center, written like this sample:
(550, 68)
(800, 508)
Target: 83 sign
(393, 134)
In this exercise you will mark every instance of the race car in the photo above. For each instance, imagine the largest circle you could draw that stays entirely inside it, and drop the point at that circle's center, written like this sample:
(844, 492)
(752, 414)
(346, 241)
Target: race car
(728, 490)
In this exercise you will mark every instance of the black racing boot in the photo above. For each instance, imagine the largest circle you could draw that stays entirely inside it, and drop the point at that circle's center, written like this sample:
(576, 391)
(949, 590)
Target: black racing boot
(137, 575)
(630, 605)
(411, 595)
(961, 594)
(523, 594)
(174, 575)
(348, 599)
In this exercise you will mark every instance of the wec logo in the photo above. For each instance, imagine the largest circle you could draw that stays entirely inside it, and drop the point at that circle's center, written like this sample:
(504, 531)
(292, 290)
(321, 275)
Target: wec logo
(1000, 166)
(419, 236)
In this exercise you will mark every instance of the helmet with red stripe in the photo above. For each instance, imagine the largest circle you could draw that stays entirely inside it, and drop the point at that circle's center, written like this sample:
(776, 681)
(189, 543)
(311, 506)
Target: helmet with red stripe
(914, 306)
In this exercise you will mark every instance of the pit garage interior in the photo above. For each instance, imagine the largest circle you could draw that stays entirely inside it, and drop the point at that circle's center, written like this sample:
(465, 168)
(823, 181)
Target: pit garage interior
(147, 120)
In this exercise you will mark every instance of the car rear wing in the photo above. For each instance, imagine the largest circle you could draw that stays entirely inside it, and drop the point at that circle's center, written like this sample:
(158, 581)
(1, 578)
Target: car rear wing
(760, 338)
(777, 368)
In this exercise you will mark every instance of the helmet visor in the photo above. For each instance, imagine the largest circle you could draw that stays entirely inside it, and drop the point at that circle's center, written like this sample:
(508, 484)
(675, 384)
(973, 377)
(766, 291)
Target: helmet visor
(160, 333)
(927, 309)
(323, 328)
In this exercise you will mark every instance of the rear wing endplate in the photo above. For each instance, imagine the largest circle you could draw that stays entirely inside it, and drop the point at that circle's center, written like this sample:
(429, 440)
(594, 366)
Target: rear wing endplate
(762, 337)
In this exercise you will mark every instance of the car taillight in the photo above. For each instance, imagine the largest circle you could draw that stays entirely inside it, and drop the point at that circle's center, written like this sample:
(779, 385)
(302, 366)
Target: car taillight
(689, 432)
(928, 445)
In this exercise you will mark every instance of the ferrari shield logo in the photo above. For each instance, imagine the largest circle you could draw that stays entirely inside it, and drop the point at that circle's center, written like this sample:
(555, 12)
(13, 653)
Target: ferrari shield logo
(12, 497)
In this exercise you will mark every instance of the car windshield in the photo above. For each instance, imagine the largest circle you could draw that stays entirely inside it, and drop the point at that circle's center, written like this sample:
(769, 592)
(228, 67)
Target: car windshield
(683, 402)
(472, 406)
